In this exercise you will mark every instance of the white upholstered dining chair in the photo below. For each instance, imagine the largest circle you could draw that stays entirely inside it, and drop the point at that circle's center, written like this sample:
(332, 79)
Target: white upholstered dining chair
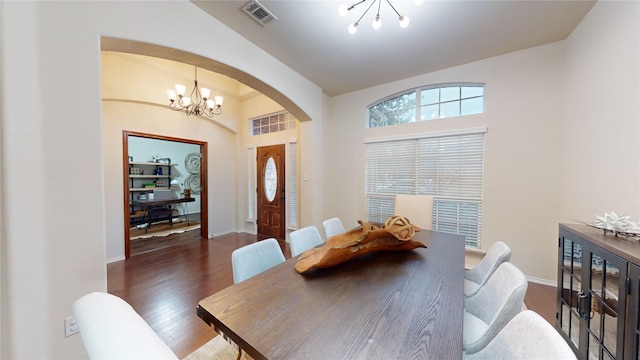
(333, 227)
(488, 310)
(252, 259)
(111, 329)
(527, 336)
(417, 208)
(474, 278)
(304, 239)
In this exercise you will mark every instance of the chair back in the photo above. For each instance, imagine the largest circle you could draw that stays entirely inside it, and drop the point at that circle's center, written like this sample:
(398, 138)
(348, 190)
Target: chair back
(417, 208)
(333, 227)
(527, 336)
(252, 259)
(498, 253)
(304, 239)
(111, 329)
(495, 304)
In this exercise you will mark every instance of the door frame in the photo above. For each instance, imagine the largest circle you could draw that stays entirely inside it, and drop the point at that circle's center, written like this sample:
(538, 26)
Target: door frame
(204, 198)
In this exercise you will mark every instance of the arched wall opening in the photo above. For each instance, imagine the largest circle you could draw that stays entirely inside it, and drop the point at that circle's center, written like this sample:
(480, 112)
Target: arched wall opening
(141, 48)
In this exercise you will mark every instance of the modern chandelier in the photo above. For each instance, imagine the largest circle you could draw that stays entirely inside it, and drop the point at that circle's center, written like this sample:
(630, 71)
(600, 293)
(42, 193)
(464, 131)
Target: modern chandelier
(198, 103)
(344, 9)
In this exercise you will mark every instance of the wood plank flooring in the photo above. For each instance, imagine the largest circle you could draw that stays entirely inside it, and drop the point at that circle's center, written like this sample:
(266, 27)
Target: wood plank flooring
(164, 286)
(160, 239)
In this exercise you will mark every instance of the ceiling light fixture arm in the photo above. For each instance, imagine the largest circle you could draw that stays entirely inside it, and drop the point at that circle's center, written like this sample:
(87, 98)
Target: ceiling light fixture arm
(404, 20)
(355, 4)
(353, 27)
(394, 9)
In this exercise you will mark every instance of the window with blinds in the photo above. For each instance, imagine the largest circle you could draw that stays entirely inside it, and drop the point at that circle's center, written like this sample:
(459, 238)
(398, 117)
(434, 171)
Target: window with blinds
(449, 167)
(251, 187)
(293, 184)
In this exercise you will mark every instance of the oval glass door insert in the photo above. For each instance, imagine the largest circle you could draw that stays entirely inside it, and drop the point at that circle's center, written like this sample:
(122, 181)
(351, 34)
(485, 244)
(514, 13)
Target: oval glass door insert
(270, 179)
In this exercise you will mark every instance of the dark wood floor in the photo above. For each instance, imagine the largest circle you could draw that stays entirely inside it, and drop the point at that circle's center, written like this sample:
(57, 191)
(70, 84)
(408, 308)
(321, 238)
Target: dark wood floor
(164, 286)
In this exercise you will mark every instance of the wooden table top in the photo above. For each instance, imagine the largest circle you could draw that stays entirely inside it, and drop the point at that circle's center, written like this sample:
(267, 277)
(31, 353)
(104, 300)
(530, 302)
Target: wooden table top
(155, 202)
(384, 305)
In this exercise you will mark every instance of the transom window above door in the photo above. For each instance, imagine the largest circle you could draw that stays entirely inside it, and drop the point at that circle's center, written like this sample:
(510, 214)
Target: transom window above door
(428, 103)
(271, 123)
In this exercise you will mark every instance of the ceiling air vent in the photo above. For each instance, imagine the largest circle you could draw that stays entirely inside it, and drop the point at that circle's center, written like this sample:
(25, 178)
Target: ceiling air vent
(258, 12)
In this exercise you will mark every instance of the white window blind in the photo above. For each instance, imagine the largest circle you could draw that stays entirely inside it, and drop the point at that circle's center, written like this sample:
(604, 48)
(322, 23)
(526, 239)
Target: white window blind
(449, 167)
(251, 187)
(293, 184)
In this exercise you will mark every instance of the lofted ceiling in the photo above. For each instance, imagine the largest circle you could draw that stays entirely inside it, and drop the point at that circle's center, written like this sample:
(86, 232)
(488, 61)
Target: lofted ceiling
(311, 38)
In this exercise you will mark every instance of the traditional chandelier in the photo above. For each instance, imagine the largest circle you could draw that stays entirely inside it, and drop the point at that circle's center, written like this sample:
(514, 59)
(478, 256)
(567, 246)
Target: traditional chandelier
(198, 103)
(344, 9)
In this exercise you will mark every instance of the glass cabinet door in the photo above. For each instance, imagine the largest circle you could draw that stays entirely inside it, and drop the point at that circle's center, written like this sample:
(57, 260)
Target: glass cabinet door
(591, 299)
(606, 291)
(633, 341)
(570, 277)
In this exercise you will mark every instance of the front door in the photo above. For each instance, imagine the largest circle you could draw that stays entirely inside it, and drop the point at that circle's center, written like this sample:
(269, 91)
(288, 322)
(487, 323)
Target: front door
(271, 191)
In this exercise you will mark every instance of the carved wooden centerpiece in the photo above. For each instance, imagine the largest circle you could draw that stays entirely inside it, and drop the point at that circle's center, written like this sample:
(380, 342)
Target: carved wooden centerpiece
(394, 235)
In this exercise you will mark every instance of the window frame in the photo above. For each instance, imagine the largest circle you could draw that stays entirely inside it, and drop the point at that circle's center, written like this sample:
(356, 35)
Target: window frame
(272, 123)
(418, 106)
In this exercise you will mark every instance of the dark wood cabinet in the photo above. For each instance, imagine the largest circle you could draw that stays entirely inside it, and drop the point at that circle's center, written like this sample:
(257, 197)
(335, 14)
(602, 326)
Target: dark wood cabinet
(597, 298)
(633, 329)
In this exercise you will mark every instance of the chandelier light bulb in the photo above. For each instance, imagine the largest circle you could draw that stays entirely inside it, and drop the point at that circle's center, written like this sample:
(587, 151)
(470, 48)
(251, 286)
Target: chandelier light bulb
(205, 93)
(404, 21)
(353, 28)
(218, 100)
(377, 22)
(343, 10)
(211, 104)
(171, 94)
(180, 89)
(186, 101)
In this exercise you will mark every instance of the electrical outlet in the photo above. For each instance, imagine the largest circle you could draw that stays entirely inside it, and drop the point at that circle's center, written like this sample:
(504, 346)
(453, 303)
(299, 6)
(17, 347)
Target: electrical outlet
(70, 326)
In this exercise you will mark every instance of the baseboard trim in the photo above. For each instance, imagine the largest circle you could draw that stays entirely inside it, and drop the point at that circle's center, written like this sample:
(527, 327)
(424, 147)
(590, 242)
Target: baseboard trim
(114, 259)
(542, 281)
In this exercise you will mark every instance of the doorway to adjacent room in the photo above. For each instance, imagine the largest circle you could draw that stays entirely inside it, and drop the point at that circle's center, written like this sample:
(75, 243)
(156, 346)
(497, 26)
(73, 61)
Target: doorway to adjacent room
(165, 189)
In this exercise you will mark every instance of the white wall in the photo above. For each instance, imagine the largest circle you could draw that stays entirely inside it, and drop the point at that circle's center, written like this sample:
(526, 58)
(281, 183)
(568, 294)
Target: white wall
(600, 147)
(52, 127)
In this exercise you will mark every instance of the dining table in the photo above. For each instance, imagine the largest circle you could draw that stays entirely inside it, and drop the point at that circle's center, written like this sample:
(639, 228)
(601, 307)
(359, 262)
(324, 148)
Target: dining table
(382, 305)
